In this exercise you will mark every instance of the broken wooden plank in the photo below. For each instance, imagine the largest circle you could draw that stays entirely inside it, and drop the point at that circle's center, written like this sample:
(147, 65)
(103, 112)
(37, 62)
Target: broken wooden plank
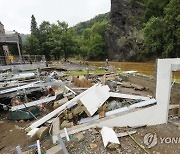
(34, 103)
(70, 90)
(81, 82)
(55, 150)
(125, 133)
(60, 102)
(56, 129)
(41, 132)
(32, 135)
(173, 106)
(120, 95)
(94, 99)
(109, 136)
(69, 104)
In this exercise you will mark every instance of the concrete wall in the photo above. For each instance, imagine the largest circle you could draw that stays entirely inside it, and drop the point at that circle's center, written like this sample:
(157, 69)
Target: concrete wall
(151, 84)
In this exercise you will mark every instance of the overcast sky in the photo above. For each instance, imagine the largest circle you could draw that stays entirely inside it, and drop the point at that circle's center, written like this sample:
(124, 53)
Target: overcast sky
(16, 14)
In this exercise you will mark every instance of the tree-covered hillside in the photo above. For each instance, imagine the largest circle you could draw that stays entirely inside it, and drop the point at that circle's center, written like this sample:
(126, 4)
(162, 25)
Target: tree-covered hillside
(134, 30)
(88, 24)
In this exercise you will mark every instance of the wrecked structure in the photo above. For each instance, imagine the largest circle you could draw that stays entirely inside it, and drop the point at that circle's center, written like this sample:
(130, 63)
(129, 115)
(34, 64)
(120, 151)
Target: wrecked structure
(100, 106)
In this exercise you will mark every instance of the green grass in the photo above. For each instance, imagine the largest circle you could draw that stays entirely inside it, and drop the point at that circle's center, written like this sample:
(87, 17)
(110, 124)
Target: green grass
(95, 72)
(177, 80)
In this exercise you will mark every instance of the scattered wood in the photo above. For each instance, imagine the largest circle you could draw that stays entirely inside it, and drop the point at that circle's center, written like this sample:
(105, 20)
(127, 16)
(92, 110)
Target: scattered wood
(81, 82)
(55, 130)
(109, 136)
(42, 131)
(94, 99)
(34, 103)
(55, 150)
(60, 102)
(125, 133)
(59, 109)
(66, 124)
(32, 135)
(120, 95)
(77, 110)
(92, 145)
(126, 85)
(138, 87)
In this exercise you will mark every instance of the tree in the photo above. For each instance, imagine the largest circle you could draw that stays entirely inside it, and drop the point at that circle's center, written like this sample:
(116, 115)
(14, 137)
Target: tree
(31, 45)
(57, 40)
(44, 33)
(162, 34)
(155, 8)
(97, 47)
(68, 43)
(79, 28)
(92, 41)
(86, 33)
(153, 37)
(100, 28)
(172, 29)
(34, 27)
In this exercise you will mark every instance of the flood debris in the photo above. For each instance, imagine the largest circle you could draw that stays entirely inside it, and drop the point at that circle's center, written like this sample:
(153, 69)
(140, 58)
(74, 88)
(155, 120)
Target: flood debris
(109, 136)
(87, 111)
(81, 81)
(55, 150)
(79, 137)
(126, 133)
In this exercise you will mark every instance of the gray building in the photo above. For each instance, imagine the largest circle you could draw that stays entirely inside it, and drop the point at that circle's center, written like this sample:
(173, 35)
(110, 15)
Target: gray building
(5, 40)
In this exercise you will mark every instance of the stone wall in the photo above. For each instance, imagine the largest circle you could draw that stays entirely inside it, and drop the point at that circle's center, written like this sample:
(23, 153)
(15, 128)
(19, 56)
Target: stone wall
(150, 83)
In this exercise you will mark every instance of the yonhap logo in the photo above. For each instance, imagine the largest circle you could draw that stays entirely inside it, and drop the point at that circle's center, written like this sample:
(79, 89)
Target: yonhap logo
(150, 140)
(168, 140)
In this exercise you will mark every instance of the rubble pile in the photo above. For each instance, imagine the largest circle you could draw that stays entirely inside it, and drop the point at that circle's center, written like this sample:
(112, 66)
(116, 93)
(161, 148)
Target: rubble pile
(65, 111)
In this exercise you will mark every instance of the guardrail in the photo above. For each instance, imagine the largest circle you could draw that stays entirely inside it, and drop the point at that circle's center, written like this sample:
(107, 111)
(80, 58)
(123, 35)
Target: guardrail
(26, 59)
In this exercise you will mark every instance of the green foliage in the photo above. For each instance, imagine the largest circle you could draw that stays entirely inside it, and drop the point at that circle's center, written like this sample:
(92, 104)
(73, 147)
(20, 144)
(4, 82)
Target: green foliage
(153, 39)
(172, 29)
(32, 45)
(155, 8)
(100, 28)
(162, 34)
(34, 28)
(96, 47)
(92, 41)
(88, 24)
(53, 40)
(44, 33)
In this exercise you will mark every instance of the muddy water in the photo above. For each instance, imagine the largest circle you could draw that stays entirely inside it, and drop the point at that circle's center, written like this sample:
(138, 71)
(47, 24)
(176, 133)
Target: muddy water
(144, 68)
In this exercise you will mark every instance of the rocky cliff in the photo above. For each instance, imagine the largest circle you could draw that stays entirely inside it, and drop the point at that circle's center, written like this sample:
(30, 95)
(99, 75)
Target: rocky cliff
(123, 35)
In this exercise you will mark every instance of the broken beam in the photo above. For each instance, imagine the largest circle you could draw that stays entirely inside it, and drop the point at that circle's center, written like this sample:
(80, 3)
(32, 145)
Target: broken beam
(34, 103)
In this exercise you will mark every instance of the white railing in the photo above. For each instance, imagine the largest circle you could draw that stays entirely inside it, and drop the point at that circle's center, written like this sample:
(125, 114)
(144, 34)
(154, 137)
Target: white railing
(26, 59)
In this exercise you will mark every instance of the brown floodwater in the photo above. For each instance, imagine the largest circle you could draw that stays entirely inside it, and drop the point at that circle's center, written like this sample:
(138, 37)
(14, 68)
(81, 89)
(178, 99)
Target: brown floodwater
(144, 68)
